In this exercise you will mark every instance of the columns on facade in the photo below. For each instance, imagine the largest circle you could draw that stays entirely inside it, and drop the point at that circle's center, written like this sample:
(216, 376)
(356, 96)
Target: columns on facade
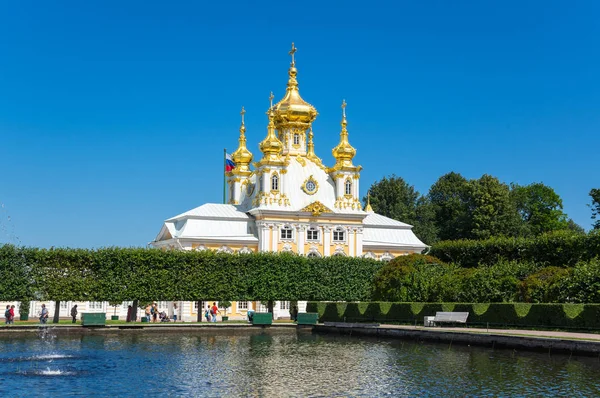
(300, 234)
(274, 237)
(326, 240)
(350, 235)
(359, 241)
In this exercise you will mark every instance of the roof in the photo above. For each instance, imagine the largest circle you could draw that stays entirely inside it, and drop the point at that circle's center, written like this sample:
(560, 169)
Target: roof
(213, 210)
(375, 219)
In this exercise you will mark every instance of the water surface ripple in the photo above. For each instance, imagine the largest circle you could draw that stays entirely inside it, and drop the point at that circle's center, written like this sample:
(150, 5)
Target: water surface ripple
(280, 364)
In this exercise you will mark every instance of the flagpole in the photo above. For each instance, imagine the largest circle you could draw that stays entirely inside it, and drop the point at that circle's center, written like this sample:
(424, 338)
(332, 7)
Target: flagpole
(224, 177)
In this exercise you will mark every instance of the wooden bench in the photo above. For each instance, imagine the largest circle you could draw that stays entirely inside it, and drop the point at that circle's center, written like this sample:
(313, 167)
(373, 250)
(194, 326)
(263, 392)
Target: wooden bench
(450, 317)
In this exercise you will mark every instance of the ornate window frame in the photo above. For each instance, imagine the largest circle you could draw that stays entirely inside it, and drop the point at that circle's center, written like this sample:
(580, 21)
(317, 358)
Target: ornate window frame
(336, 234)
(275, 182)
(386, 257)
(348, 187)
(288, 231)
(313, 229)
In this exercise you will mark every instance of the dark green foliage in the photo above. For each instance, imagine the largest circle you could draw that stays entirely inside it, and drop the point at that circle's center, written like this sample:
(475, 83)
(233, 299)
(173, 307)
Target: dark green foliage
(539, 207)
(595, 205)
(584, 316)
(544, 286)
(120, 274)
(452, 201)
(558, 249)
(398, 280)
(395, 198)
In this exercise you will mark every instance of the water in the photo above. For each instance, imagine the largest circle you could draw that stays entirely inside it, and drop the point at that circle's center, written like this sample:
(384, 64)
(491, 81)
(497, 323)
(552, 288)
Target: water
(280, 364)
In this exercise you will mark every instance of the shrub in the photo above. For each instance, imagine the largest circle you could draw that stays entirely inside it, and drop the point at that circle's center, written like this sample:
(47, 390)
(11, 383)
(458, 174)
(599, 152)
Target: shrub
(543, 286)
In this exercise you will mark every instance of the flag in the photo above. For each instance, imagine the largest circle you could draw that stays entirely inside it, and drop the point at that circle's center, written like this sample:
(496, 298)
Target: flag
(229, 164)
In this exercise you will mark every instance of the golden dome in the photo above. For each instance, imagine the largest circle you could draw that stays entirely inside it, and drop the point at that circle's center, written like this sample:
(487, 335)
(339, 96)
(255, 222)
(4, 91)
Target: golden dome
(344, 152)
(242, 156)
(271, 146)
(292, 109)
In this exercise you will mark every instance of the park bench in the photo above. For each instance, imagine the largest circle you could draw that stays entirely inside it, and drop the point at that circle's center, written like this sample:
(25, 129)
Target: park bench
(446, 317)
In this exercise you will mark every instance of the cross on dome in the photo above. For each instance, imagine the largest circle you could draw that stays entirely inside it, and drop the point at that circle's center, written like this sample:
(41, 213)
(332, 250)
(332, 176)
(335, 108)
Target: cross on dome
(292, 52)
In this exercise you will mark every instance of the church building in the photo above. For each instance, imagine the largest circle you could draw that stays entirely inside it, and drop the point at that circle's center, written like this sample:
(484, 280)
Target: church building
(289, 200)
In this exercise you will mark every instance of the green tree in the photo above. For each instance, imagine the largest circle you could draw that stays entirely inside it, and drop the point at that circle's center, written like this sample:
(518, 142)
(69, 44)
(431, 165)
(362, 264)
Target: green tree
(595, 194)
(539, 207)
(395, 198)
(451, 198)
(494, 214)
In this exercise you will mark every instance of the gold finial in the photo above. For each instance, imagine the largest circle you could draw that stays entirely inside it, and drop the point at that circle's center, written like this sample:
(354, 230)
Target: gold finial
(242, 113)
(292, 52)
(271, 99)
(368, 207)
(242, 156)
(344, 108)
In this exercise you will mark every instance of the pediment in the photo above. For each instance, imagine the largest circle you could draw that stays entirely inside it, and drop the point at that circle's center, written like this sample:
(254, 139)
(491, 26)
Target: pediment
(317, 208)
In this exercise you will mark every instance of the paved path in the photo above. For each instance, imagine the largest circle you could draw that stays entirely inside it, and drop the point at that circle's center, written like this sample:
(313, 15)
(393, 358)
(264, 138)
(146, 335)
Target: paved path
(508, 332)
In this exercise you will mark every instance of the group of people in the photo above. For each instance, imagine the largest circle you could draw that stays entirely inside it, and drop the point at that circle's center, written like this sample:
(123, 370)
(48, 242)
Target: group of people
(9, 315)
(153, 315)
(211, 313)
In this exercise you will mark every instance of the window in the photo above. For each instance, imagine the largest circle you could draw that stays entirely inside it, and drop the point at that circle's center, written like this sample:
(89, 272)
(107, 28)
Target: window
(284, 305)
(312, 233)
(64, 305)
(313, 254)
(275, 182)
(296, 139)
(94, 305)
(163, 304)
(242, 305)
(338, 235)
(286, 232)
(348, 187)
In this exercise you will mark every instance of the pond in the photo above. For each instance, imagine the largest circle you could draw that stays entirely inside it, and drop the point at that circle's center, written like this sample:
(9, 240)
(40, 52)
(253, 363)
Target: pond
(219, 363)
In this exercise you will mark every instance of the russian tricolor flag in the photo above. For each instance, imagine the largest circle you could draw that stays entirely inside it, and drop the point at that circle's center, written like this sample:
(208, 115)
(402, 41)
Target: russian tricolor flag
(229, 164)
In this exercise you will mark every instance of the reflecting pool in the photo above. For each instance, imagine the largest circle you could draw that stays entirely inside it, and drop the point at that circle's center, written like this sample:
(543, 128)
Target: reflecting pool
(282, 363)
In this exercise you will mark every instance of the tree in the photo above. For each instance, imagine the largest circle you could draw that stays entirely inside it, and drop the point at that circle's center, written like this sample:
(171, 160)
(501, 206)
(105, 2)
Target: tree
(395, 198)
(539, 207)
(595, 194)
(494, 213)
(451, 198)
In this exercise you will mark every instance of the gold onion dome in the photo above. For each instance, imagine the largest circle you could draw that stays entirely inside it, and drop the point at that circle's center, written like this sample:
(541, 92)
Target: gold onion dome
(271, 146)
(242, 156)
(292, 109)
(344, 152)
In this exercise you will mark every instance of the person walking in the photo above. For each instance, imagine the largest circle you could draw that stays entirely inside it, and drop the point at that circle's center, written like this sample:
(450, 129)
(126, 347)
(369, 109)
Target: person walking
(148, 312)
(44, 314)
(154, 312)
(7, 315)
(214, 311)
(207, 313)
(74, 313)
(12, 314)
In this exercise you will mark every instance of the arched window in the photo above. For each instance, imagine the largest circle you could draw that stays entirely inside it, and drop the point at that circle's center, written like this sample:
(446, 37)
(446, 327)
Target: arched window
(386, 257)
(275, 182)
(286, 232)
(296, 139)
(313, 254)
(348, 187)
(312, 233)
(339, 235)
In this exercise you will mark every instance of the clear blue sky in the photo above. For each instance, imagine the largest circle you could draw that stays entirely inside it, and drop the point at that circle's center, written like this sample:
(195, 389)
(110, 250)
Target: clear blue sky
(114, 114)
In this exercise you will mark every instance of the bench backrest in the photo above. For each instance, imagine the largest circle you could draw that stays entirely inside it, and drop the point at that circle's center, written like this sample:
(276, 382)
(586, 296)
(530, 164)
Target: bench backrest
(451, 316)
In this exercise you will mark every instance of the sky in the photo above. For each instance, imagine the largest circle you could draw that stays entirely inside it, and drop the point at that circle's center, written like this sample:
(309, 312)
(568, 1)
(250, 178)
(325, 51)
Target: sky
(114, 114)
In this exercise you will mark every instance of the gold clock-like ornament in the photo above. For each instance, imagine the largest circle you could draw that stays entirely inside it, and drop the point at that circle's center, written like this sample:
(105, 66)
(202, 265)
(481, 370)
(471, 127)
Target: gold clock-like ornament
(310, 186)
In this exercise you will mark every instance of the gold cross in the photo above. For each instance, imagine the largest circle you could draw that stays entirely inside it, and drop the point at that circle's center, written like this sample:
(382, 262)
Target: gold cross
(271, 98)
(292, 52)
(344, 108)
(242, 113)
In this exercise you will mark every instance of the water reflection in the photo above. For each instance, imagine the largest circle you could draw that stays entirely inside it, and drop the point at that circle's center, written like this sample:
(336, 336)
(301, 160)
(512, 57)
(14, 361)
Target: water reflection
(280, 364)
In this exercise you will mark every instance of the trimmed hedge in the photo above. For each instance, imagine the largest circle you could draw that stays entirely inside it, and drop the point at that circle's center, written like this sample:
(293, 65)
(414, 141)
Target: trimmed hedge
(124, 274)
(557, 249)
(579, 316)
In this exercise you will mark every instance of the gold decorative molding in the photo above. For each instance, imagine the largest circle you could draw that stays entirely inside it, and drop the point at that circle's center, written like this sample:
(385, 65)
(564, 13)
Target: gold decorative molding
(317, 208)
(301, 160)
(305, 187)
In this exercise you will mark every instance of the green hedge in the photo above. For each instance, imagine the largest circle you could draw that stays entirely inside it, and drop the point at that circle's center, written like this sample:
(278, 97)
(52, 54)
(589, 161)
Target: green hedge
(580, 316)
(124, 274)
(558, 249)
